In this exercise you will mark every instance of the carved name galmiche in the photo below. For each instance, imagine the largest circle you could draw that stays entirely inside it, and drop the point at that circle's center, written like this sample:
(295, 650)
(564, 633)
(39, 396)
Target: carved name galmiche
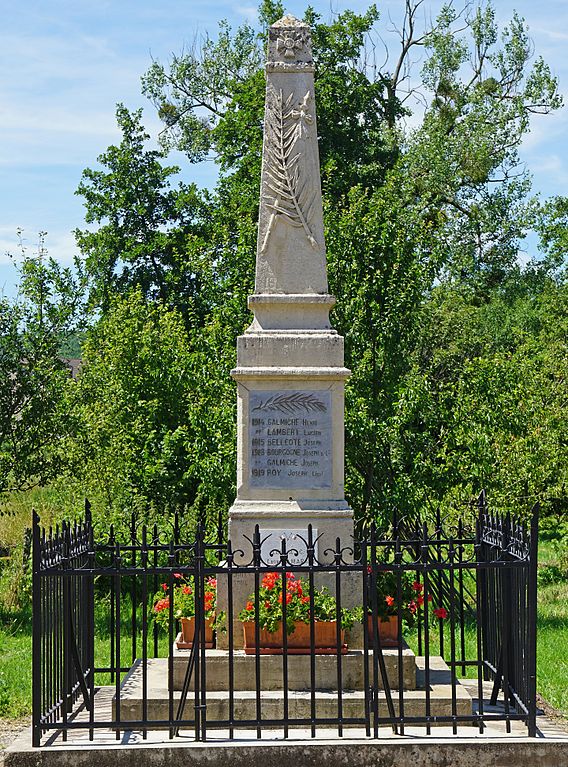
(288, 191)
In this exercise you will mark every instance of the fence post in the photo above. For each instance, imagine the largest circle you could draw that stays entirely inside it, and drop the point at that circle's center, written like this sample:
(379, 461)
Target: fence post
(482, 596)
(37, 681)
(532, 619)
(90, 618)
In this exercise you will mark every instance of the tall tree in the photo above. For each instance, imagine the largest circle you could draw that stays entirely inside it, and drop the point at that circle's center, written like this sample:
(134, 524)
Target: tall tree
(407, 208)
(146, 232)
(36, 397)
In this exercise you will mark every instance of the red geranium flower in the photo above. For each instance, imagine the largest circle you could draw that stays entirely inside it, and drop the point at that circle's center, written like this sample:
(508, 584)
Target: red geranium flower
(162, 604)
(269, 580)
(165, 586)
(186, 590)
(440, 612)
(418, 587)
(250, 606)
(389, 600)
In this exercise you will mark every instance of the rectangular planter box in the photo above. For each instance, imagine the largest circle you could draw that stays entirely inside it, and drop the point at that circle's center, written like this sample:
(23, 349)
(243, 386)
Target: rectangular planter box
(184, 640)
(388, 630)
(298, 642)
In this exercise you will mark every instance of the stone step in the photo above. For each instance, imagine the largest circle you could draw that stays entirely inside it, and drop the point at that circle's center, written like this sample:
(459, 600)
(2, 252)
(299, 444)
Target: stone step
(299, 701)
(271, 670)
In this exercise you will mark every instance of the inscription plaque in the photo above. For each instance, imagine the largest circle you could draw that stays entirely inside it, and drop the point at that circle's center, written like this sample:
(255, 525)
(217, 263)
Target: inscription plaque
(290, 439)
(296, 546)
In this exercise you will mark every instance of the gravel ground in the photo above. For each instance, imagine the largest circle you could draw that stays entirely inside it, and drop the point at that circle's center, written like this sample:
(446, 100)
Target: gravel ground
(551, 713)
(9, 728)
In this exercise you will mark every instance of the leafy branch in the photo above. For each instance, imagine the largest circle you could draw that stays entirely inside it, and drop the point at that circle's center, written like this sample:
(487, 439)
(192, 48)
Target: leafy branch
(293, 194)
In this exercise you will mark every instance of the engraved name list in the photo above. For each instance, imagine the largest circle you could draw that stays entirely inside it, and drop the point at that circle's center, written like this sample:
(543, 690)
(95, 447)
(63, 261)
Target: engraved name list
(290, 439)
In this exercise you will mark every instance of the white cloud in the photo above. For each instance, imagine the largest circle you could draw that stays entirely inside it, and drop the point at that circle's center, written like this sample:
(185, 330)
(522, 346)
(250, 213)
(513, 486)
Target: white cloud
(551, 33)
(248, 11)
(58, 244)
(554, 169)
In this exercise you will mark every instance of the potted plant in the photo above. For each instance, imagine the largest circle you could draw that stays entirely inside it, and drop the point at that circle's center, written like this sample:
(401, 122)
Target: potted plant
(270, 618)
(184, 609)
(388, 609)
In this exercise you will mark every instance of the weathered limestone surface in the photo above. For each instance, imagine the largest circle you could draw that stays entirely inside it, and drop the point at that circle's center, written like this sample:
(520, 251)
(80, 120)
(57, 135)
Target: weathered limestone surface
(290, 371)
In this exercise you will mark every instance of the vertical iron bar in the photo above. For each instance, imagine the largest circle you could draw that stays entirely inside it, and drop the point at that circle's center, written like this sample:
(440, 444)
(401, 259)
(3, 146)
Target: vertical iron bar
(66, 632)
(375, 627)
(91, 559)
(155, 542)
(195, 642)
(482, 595)
(257, 564)
(439, 578)
(112, 617)
(134, 626)
(426, 581)
(230, 557)
(452, 563)
(398, 571)
(311, 554)
(117, 614)
(461, 603)
(479, 609)
(532, 618)
(201, 566)
(366, 675)
(283, 576)
(38, 650)
(337, 562)
(144, 566)
(505, 623)
(171, 624)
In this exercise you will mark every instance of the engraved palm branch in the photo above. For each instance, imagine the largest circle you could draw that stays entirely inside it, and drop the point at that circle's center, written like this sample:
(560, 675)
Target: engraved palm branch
(291, 194)
(292, 403)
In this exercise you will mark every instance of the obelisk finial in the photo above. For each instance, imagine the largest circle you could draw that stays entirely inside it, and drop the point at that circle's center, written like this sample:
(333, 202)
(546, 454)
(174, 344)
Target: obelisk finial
(291, 248)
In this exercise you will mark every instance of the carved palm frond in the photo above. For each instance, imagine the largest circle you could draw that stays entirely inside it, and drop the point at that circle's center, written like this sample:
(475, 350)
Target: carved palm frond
(291, 193)
(292, 403)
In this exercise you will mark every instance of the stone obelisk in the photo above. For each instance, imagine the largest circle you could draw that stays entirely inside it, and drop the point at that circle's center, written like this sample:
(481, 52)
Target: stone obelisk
(290, 371)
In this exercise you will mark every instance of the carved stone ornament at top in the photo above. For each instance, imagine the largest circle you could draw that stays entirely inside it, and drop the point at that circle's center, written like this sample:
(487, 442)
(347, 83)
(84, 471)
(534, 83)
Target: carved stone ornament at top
(291, 41)
(289, 192)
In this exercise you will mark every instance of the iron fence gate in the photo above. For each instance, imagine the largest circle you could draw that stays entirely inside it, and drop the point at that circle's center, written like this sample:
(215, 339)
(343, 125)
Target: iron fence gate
(95, 628)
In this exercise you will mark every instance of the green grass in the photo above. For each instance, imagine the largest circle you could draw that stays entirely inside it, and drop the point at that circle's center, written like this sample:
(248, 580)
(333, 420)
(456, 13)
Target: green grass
(16, 655)
(15, 665)
(552, 637)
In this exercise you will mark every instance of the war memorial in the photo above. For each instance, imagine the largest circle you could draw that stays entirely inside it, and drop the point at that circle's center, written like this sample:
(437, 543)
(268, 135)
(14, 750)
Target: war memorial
(291, 639)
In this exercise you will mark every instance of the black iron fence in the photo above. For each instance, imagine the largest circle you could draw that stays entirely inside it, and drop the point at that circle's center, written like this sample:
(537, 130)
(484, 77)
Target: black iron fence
(460, 598)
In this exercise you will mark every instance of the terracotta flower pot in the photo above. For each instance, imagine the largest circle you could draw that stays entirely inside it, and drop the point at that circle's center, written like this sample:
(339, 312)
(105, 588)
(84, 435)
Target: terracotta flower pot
(184, 639)
(388, 630)
(298, 643)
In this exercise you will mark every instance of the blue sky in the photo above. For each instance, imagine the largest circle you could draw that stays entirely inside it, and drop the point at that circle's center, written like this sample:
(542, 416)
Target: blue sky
(66, 64)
